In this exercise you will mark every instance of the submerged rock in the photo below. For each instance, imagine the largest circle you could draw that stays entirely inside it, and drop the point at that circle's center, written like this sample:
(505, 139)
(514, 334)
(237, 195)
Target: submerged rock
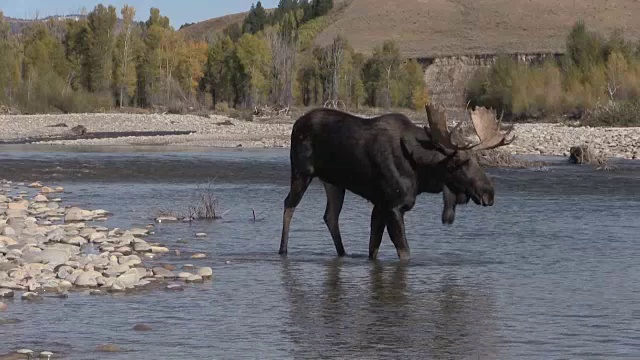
(110, 348)
(142, 327)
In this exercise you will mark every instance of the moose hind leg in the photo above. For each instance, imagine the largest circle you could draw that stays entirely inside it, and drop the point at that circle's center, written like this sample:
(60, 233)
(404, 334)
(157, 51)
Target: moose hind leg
(335, 199)
(299, 185)
(395, 227)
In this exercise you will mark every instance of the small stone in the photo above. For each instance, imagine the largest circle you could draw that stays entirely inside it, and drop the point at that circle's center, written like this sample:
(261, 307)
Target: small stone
(3, 307)
(6, 293)
(40, 198)
(194, 278)
(137, 232)
(205, 272)
(129, 278)
(141, 246)
(199, 256)
(59, 189)
(77, 214)
(142, 327)
(25, 351)
(7, 241)
(174, 287)
(184, 275)
(166, 219)
(35, 185)
(159, 249)
(46, 354)
(76, 240)
(97, 292)
(46, 190)
(31, 296)
(188, 266)
(162, 272)
(201, 235)
(110, 348)
(19, 205)
(8, 231)
(117, 269)
(169, 267)
(87, 279)
(125, 250)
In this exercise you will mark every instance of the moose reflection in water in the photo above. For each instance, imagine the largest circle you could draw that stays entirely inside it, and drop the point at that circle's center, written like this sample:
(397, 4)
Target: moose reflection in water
(386, 312)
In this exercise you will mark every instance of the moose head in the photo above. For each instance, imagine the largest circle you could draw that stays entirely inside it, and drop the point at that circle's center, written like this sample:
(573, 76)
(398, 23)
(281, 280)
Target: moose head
(463, 176)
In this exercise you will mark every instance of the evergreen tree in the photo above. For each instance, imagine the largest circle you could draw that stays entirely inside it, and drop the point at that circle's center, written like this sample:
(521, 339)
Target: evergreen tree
(321, 7)
(256, 20)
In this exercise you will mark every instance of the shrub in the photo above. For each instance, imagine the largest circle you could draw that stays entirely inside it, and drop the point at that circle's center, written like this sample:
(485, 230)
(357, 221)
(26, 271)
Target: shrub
(615, 113)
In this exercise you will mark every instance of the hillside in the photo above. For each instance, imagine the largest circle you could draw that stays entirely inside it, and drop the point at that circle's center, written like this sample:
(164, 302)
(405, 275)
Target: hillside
(425, 28)
(200, 31)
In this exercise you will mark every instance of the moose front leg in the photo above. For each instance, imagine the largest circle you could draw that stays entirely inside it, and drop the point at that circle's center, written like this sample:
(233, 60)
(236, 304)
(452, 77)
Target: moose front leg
(395, 227)
(378, 222)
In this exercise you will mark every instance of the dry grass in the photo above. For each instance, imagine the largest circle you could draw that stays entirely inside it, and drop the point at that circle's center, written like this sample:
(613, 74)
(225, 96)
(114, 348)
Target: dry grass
(203, 206)
(497, 158)
(459, 27)
(204, 29)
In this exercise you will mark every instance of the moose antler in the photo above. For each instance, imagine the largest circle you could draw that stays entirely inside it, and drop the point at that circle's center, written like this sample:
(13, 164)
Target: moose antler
(484, 124)
(439, 131)
(488, 130)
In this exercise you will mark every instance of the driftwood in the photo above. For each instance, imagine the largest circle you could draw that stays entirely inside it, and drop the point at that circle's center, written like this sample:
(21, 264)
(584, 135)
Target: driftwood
(79, 130)
(266, 111)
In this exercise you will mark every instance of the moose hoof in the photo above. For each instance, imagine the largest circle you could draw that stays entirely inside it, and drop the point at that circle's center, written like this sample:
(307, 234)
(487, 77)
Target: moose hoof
(404, 255)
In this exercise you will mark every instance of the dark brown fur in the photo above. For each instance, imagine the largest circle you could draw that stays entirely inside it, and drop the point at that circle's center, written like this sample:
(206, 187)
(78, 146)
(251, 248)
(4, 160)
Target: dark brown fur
(387, 160)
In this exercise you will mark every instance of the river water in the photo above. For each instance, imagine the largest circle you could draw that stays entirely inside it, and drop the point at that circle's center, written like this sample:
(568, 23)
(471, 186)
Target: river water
(552, 270)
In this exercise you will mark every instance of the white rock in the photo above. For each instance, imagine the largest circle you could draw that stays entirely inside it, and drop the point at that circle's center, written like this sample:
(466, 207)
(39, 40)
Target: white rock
(40, 198)
(8, 231)
(76, 240)
(87, 278)
(141, 246)
(205, 272)
(159, 249)
(77, 214)
(7, 241)
(194, 278)
(129, 278)
(162, 272)
(94, 237)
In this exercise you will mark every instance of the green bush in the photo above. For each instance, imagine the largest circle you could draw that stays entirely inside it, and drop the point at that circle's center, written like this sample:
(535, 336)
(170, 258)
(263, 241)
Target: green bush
(620, 113)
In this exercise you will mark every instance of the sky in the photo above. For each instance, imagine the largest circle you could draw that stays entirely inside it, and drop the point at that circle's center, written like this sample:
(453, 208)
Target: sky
(178, 11)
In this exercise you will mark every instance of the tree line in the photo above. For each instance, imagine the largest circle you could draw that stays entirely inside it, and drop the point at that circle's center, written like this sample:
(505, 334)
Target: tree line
(597, 74)
(104, 61)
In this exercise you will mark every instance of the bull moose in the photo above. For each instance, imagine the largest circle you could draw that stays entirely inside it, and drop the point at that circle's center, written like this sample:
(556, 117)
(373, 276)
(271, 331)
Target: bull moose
(387, 160)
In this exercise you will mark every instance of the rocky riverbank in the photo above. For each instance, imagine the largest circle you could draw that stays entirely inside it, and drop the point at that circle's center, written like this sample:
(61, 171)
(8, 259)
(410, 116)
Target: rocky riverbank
(220, 131)
(48, 250)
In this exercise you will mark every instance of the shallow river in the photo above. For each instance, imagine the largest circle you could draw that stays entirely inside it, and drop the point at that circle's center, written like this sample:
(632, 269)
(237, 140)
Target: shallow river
(552, 270)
